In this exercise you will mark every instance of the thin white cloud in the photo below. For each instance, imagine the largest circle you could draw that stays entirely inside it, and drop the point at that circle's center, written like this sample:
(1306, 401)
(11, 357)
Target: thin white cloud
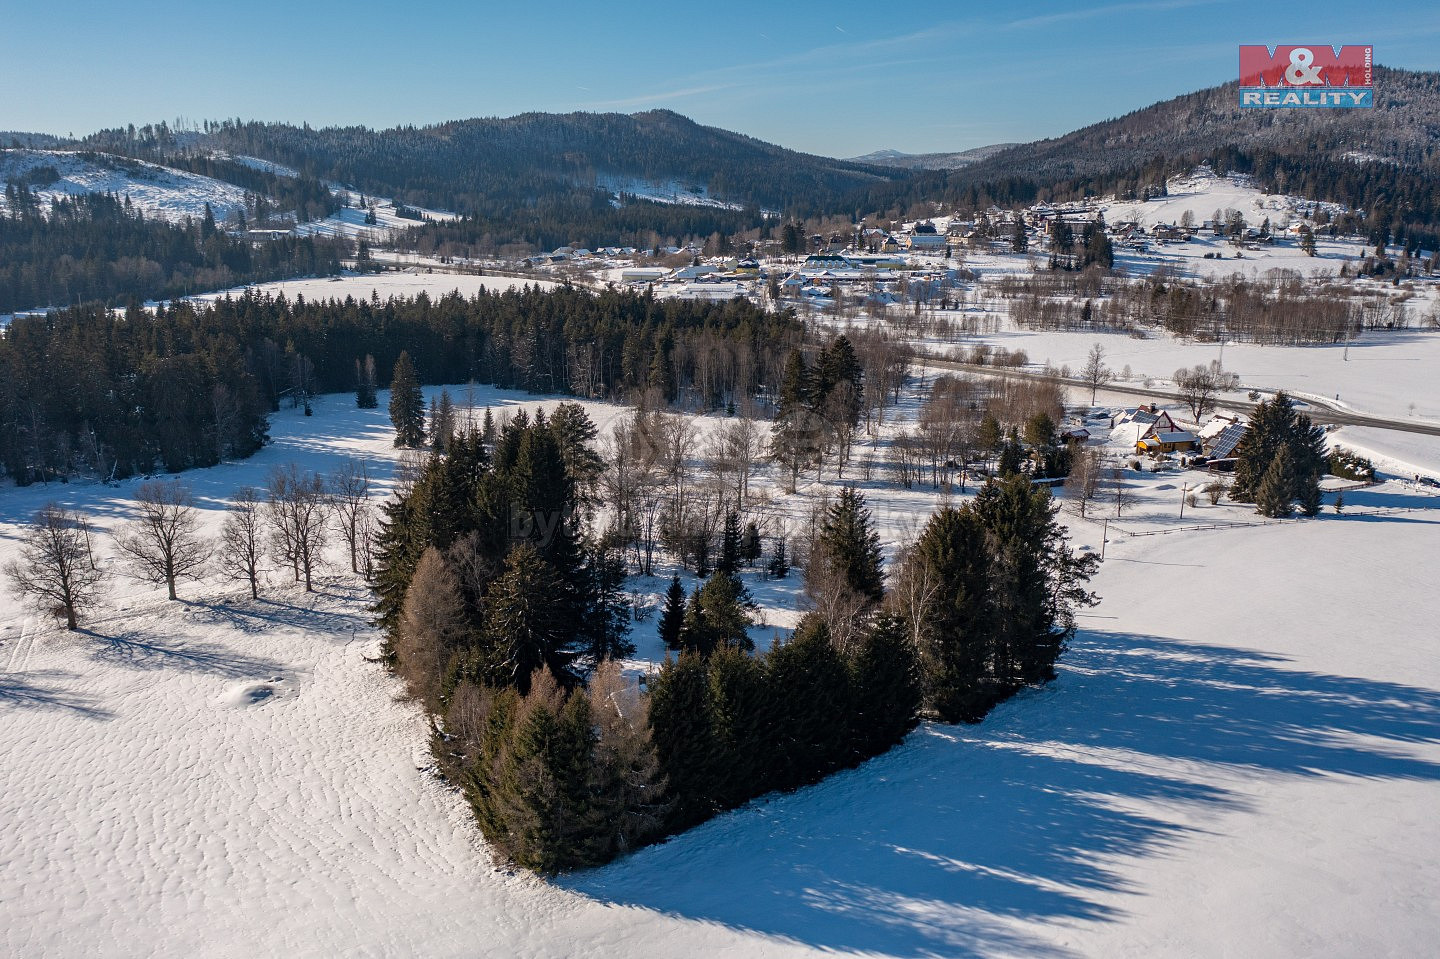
(1090, 13)
(663, 96)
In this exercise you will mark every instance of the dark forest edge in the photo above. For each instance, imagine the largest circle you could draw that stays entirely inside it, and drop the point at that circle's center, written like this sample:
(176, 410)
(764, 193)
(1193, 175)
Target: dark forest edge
(91, 391)
(98, 248)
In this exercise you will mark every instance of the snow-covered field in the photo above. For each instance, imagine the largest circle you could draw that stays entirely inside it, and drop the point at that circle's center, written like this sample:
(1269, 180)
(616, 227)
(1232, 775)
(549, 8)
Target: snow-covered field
(408, 283)
(1246, 729)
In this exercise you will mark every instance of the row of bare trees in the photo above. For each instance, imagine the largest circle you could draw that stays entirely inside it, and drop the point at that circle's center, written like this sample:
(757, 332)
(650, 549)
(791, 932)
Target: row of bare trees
(288, 523)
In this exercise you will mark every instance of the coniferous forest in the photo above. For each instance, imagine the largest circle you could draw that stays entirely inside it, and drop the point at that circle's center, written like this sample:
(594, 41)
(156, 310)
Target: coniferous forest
(96, 247)
(112, 394)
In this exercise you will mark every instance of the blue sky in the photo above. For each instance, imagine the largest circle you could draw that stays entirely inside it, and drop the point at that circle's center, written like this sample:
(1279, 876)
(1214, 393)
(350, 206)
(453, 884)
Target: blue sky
(838, 78)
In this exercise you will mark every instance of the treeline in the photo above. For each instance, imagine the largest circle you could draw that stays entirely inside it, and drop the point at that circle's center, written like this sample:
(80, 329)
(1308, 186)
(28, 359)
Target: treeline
(505, 619)
(611, 344)
(1282, 310)
(88, 390)
(98, 247)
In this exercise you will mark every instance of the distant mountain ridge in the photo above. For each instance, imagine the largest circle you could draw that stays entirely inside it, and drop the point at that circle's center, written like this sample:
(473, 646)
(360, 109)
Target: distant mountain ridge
(931, 161)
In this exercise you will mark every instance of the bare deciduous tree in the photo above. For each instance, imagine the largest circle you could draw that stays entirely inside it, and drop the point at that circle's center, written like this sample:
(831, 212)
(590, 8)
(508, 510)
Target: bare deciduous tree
(1123, 498)
(163, 543)
(295, 510)
(242, 541)
(57, 569)
(1198, 387)
(1095, 372)
(1083, 483)
(841, 607)
(350, 498)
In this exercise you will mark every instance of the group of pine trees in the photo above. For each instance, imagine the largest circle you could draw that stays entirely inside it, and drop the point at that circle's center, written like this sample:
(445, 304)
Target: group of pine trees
(989, 591)
(1280, 461)
(506, 619)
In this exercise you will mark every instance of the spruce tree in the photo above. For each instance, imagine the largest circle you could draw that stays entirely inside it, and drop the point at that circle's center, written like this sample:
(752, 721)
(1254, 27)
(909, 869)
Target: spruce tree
(684, 741)
(525, 628)
(750, 544)
(885, 678)
(534, 799)
(407, 404)
(718, 615)
(1011, 456)
(606, 624)
(989, 436)
(810, 687)
(849, 543)
(729, 560)
(950, 567)
(442, 422)
(741, 705)
(672, 618)
(779, 566)
(1276, 494)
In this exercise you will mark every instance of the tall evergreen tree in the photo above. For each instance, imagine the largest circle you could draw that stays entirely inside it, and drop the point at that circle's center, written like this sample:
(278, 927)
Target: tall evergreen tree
(525, 628)
(684, 740)
(885, 678)
(672, 618)
(810, 685)
(849, 542)
(718, 614)
(730, 546)
(407, 404)
(741, 707)
(950, 573)
(1275, 496)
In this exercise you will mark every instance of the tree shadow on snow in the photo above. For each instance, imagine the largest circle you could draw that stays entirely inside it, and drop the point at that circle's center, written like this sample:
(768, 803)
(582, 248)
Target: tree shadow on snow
(31, 691)
(944, 844)
(265, 614)
(148, 651)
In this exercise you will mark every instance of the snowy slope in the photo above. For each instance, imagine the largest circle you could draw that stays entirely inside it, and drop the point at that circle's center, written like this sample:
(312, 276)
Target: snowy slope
(1247, 770)
(662, 191)
(1203, 192)
(154, 190)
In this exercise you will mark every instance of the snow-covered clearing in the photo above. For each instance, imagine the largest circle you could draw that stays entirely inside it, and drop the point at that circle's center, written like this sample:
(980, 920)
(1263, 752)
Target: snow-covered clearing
(1248, 727)
(153, 190)
(409, 283)
(350, 221)
(657, 191)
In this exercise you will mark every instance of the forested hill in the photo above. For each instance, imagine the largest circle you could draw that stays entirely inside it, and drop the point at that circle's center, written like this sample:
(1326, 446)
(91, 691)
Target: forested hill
(481, 165)
(1401, 129)
(1384, 160)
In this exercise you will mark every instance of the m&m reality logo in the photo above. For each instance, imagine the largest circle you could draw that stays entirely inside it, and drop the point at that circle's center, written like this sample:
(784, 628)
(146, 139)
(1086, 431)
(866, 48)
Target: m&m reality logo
(1315, 75)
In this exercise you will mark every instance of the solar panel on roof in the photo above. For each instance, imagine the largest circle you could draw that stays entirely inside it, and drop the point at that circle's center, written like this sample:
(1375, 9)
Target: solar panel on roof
(1228, 440)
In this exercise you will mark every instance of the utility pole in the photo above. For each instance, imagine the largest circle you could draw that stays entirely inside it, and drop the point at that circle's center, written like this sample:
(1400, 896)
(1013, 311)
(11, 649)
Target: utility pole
(1183, 488)
(1104, 537)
